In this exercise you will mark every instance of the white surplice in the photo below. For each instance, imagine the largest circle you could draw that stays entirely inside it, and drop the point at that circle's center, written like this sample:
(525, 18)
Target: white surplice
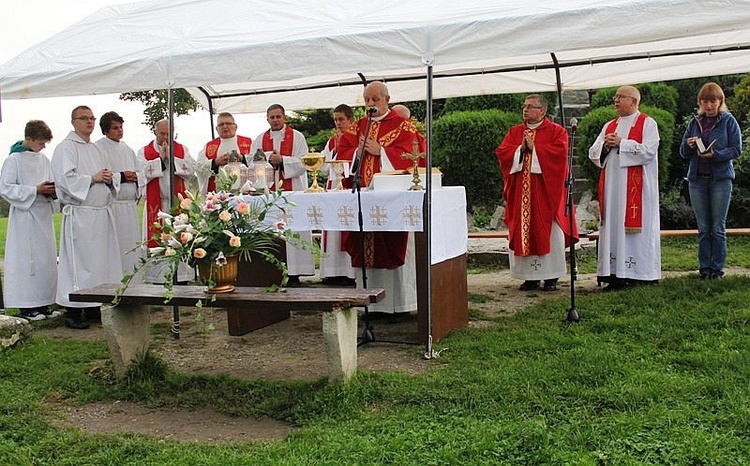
(153, 173)
(635, 256)
(125, 206)
(299, 261)
(89, 250)
(333, 261)
(30, 245)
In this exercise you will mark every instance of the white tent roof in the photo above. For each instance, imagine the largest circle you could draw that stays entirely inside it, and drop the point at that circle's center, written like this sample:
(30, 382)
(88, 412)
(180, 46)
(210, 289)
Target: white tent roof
(310, 54)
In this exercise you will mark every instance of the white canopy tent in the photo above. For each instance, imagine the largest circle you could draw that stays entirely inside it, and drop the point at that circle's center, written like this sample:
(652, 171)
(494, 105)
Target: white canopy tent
(242, 56)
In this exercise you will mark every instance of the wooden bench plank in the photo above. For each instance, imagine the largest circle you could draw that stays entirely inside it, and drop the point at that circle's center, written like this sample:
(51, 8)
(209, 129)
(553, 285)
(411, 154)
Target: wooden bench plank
(681, 233)
(299, 299)
(126, 325)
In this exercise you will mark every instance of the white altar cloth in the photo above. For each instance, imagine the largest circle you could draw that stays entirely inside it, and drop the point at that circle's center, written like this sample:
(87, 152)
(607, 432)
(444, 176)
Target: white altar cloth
(385, 211)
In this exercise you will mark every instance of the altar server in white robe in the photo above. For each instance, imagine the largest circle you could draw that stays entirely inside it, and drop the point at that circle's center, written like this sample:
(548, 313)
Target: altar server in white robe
(89, 250)
(30, 245)
(129, 169)
(627, 152)
(285, 148)
(156, 160)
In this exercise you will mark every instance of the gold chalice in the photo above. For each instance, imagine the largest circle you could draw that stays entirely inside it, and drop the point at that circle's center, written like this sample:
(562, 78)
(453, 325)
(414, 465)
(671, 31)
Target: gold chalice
(337, 167)
(313, 161)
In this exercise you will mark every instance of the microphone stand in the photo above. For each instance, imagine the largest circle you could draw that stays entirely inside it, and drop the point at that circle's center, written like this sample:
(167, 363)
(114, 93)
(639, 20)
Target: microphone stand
(367, 335)
(572, 312)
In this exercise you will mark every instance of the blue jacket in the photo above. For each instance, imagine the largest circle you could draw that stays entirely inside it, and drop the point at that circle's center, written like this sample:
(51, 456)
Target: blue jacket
(728, 146)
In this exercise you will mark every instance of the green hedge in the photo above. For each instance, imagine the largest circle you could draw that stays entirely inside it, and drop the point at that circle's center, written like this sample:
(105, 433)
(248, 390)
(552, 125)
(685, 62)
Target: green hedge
(464, 146)
(659, 95)
(592, 124)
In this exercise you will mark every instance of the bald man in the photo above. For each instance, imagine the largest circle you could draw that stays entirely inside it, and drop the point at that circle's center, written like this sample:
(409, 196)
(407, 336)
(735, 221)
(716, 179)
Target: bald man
(627, 152)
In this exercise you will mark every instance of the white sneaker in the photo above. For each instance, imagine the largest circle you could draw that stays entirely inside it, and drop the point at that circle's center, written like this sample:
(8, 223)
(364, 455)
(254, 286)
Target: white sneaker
(51, 313)
(33, 315)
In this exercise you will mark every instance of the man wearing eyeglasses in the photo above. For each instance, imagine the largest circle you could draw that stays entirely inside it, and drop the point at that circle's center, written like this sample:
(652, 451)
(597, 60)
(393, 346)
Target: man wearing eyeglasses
(534, 161)
(89, 249)
(626, 150)
(216, 152)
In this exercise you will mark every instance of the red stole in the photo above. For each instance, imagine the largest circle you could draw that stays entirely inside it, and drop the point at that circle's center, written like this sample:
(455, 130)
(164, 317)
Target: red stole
(286, 148)
(213, 147)
(634, 193)
(153, 192)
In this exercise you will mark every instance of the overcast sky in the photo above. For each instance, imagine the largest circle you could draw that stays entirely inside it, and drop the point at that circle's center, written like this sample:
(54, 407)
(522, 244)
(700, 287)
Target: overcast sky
(27, 22)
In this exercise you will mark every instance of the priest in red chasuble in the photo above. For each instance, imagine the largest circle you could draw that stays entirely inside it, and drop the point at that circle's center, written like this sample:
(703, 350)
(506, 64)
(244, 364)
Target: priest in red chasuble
(217, 151)
(534, 160)
(386, 253)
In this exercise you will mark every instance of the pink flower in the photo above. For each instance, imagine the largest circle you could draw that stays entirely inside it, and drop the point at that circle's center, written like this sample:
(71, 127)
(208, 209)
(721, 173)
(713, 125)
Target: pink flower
(280, 225)
(225, 216)
(199, 253)
(186, 203)
(235, 241)
(185, 237)
(243, 208)
(169, 252)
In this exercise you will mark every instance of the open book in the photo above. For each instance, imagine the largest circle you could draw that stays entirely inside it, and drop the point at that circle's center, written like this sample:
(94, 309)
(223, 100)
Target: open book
(704, 151)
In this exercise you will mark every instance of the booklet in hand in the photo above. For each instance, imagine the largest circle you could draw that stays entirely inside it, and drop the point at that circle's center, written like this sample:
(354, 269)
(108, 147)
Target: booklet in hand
(704, 151)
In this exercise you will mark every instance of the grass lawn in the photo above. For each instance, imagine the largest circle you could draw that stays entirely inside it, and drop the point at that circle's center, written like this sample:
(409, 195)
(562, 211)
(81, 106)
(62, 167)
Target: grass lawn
(651, 375)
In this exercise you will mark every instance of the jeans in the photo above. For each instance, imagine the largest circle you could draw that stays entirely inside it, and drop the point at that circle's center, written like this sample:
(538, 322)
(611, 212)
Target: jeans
(710, 200)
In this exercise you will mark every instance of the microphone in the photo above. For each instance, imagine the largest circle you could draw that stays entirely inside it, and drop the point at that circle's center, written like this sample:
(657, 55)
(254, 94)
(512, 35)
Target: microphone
(372, 110)
(574, 124)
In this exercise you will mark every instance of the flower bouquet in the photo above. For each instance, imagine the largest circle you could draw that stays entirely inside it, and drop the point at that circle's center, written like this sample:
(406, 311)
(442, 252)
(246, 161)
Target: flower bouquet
(208, 233)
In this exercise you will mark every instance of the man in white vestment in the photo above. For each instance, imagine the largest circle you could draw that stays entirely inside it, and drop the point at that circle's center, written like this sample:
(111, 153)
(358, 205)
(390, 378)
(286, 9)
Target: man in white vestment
(128, 168)
(285, 148)
(627, 152)
(155, 161)
(30, 245)
(89, 250)
(216, 153)
(335, 263)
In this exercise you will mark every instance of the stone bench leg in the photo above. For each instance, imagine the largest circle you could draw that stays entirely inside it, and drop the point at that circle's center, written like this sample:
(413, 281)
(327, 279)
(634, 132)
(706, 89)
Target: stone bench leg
(128, 334)
(340, 333)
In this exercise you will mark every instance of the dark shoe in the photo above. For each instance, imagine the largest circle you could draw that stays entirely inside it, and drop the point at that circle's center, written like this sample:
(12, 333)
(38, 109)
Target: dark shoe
(331, 281)
(346, 281)
(75, 318)
(293, 281)
(32, 314)
(704, 276)
(715, 276)
(550, 285)
(616, 285)
(529, 285)
(76, 324)
(93, 314)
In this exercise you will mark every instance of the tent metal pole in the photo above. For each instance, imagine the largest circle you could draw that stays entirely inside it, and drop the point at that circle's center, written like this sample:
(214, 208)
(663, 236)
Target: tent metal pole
(572, 315)
(429, 352)
(170, 100)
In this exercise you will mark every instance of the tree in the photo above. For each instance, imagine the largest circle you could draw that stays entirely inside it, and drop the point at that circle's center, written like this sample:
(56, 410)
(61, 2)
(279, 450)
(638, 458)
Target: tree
(157, 103)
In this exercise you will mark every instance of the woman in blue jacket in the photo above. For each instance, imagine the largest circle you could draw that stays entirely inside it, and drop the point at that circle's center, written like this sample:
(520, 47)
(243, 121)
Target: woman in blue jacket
(712, 140)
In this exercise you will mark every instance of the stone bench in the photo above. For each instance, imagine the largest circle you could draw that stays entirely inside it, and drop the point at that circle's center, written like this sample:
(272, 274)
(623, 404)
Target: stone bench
(127, 325)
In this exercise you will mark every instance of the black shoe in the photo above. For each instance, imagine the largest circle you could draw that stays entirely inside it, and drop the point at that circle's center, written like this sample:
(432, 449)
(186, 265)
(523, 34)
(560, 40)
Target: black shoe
(75, 318)
(293, 281)
(550, 285)
(529, 285)
(76, 324)
(346, 281)
(93, 314)
(616, 285)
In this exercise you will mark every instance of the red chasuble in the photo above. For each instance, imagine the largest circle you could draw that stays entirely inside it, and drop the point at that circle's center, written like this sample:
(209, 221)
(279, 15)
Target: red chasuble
(634, 207)
(285, 150)
(532, 200)
(153, 192)
(383, 250)
(213, 147)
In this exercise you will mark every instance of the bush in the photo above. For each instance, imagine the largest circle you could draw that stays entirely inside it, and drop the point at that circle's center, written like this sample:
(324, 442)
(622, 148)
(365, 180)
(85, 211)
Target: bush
(659, 95)
(592, 124)
(676, 213)
(464, 149)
